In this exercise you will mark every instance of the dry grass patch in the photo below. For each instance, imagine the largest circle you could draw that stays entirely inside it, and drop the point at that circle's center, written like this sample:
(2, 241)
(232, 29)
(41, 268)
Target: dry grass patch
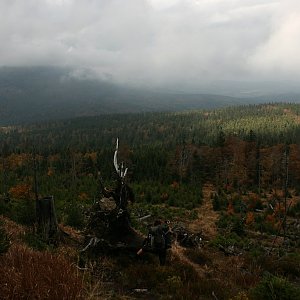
(15, 231)
(28, 274)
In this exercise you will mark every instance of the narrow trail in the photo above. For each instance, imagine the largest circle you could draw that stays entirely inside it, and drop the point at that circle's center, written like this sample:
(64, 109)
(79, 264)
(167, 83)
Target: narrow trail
(207, 217)
(206, 224)
(178, 252)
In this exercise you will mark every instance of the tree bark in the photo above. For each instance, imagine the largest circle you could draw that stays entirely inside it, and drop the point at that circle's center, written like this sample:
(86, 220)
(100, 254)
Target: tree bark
(47, 225)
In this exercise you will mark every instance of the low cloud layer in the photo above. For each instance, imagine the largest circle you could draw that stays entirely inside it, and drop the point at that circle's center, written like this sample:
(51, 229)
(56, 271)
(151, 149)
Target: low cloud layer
(173, 43)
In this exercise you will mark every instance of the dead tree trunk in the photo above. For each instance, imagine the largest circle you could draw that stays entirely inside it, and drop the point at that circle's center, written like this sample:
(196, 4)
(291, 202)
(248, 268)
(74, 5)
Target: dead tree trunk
(35, 183)
(47, 225)
(286, 180)
(108, 226)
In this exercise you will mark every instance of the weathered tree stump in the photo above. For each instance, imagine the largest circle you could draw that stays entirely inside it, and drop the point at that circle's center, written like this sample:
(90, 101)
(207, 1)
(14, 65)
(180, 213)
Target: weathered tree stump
(47, 225)
(111, 225)
(108, 225)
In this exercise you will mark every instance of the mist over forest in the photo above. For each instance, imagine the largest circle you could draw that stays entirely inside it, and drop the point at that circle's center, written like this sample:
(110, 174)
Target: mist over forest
(31, 94)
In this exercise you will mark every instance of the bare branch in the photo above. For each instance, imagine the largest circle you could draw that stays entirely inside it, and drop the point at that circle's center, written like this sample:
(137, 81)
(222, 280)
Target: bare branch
(116, 157)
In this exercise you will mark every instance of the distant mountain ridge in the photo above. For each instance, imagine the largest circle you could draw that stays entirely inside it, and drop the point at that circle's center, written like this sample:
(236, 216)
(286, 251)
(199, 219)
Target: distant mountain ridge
(32, 94)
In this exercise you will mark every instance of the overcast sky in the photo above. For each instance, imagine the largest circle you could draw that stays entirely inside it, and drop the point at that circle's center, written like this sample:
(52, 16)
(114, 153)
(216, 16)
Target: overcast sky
(155, 42)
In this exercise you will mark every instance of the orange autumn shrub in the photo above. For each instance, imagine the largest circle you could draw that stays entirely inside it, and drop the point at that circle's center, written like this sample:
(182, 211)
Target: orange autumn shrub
(21, 191)
(249, 218)
(230, 208)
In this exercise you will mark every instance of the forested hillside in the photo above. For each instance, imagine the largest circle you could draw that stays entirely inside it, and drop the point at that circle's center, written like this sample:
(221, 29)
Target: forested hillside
(241, 162)
(241, 146)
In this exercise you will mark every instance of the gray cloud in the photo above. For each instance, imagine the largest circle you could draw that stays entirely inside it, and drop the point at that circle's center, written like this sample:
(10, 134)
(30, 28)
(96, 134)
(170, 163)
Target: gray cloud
(153, 42)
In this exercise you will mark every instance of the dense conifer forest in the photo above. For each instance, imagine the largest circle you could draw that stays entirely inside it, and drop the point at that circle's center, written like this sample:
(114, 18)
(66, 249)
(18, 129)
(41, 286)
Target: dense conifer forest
(244, 161)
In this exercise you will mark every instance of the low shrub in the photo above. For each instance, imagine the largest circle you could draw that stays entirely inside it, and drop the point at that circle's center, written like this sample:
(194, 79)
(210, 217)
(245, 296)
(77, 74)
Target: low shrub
(75, 217)
(239, 205)
(177, 280)
(4, 240)
(178, 195)
(231, 239)
(240, 296)
(260, 224)
(232, 223)
(23, 211)
(273, 288)
(294, 211)
(198, 256)
(256, 252)
(219, 202)
(287, 265)
(35, 242)
(4, 207)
